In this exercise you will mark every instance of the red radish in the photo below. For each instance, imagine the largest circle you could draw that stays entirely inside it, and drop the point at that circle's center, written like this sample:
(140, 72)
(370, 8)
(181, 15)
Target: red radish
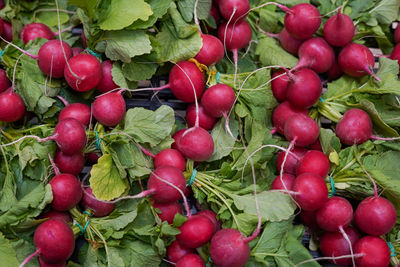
(279, 85)
(67, 191)
(375, 216)
(92, 157)
(195, 232)
(335, 72)
(76, 51)
(109, 109)
(1, 26)
(336, 213)
(395, 55)
(83, 39)
(233, 9)
(206, 121)
(211, 52)
(162, 192)
(42, 263)
(238, 35)
(212, 216)
(196, 144)
(72, 164)
(78, 111)
(4, 81)
(177, 135)
(304, 88)
(355, 127)
(96, 207)
(32, 31)
(175, 251)
(282, 113)
(70, 136)
(291, 161)
(288, 180)
(357, 60)
(2, 4)
(7, 31)
(335, 245)
(316, 54)
(339, 29)
(106, 83)
(57, 215)
(83, 72)
(316, 146)
(373, 251)
(315, 162)
(52, 57)
(311, 190)
(190, 260)
(301, 129)
(214, 12)
(218, 100)
(12, 107)
(229, 248)
(397, 34)
(302, 21)
(289, 43)
(170, 157)
(168, 211)
(308, 219)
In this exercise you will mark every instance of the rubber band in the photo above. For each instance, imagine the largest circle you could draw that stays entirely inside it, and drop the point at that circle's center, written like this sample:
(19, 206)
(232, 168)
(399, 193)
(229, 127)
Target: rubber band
(209, 261)
(332, 186)
(321, 99)
(83, 229)
(217, 77)
(392, 251)
(87, 212)
(3, 51)
(93, 53)
(192, 177)
(98, 140)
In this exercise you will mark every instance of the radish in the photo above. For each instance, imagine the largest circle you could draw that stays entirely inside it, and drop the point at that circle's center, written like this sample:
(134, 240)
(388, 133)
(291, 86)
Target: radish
(218, 100)
(67, 191)
(315, 162)
(375, 216)
(206, 121)
(304, 88)
(52, 57)
(78, 111)
(291, 161)
(83, 39)
(316, 54)
(302, 21)
(195, 232)
(168, 211)
(335, 72)
(71, 164)
(2, 4)
(397, 34)
(69, 135)
(42, 263)
(287, 179)
(339, 29)
(92, 157)
(83, 72)
(373, 251)
(106, 83)
(336, 213)
(395, 55)
(211, 52)
(196, 144)
(170, 157)
(334, 245)
(282, 113)
(355, 127)
(301, 130)
(214, 13)
(190, 260)
(233, 9)
(316, 146)
(308, 219)
(176, 136)
(213, 218)
(33, 31)
(76, 51)
(175, 251)
(12, 107)
(288, 43)
(57, 215)
(357, 60)
(109, 109)
(4, 81)
(96, 207)
(279, 85)
(7, 31)
(312, 192)
(229, 248)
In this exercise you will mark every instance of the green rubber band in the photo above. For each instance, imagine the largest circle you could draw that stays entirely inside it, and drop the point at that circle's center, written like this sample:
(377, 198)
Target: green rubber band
(98, 140)
(209, 261)
(392, 251)
(332, 186)
(80, 228)
(217, 77)
(3, 51)
(93, 53)
(86, 225)
(192, 177)
(321, 99)
(87, 212)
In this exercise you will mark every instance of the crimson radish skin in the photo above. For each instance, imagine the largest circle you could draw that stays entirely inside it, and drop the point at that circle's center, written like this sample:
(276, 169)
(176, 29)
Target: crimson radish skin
(168, 211)
(214, 13)
(213, 218)
(279, 85)
(78, 111)
(70, 136)
(211, 52)
(97, 208)
(218, 100)
(395, 55)
(291, 161)
(375, 216)
(315, 162)
(76, 51)
(190, 260)
(12, 107)
(92, 157)
(316, 146)
(355, 127)
(170, 157)
(176, 136)
(335, 72)
(55, 241)
(339, 29)
(106, 83)
(67, 192)
(302, 21)
(195, 232)
(51, 58)
(375, 252)
(282, 113)
(7, 31)
(397, 34)
(109, 109)
(302, 128)
(288, 180)
(206, 121)
(71, 164)
(87, 70)
(33, 31)
(335, 245)
(57, 215)
(42, 263)
(356, 60)
(229, 249)
(312, 191)
(316, 54)
(196, 144)
(238, 8)
(335, 213)
(308, 218)
(175, 251)
(238, 35)
(289, 43)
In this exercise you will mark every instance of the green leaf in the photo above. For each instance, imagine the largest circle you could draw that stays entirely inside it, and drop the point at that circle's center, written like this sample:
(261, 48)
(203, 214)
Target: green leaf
(159, 8)
(105, 180)
(125, 44)
(329, 141)
(50, 18)
(223, 142)
(138, 71)
(386, 11)
(138, 254)
(118, 75)
(7, 253)
(186, 7)
(146, 126)
(274, 206)
(271, 53)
